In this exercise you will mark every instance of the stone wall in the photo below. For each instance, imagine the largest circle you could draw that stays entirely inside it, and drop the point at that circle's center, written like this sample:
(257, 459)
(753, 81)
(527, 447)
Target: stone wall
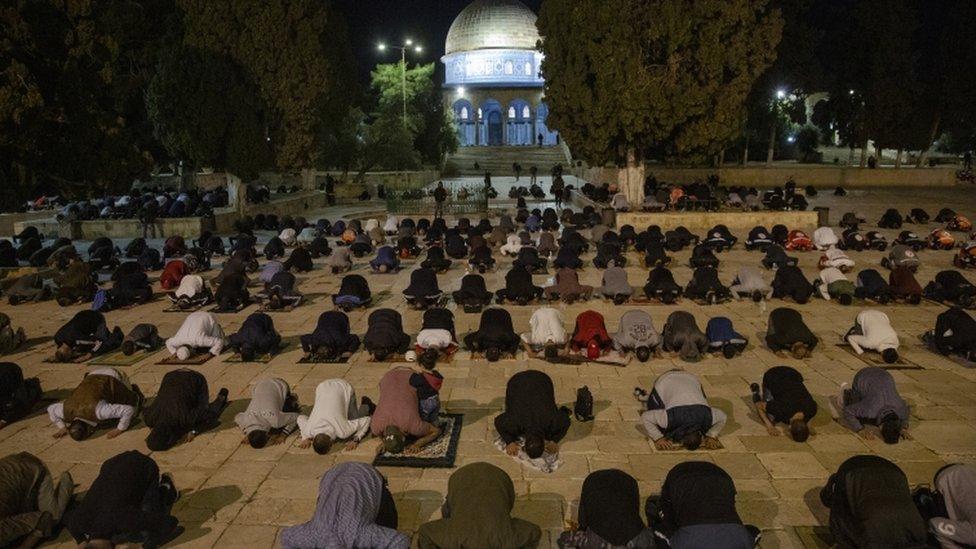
(737, 222)
(9, 220)
(120, 228)
(349, 186)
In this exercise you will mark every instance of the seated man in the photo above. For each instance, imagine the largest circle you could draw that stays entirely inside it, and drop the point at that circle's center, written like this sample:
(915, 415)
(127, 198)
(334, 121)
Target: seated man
(873, 398)
(386, 261)
(181, 409)
(340, 261)
(84, 336)
(495, 336)
(786, 332)
(637, 334)
(128, 502)
(872, 331)
(142, 336)
(436, 336)
(10, 339)
(32, 503)
(518, 287)
(331, 338)
(678, 413)
(682, 335)
(199, 331)
(473, 294)
(548, 335)
(616, 286)
(17, 395)
(271, 415)
(423, 290)
(696, 508)
(705, 286)
(397, 416)
(590, 335)
(256, 337)
(281, 291)
(192, 293)
(353, 293)
(335, 417)
(790, 282)
(723, 337)
(384, 335)
(749, 281)
(232, 293)
(104, 394)
(954, 333)
(436, 260)
(871, 505)
(661, 285)
(833, 284)
(567, 287)
(531, 415)
(783, 398)
(871, 285)
(29, 287)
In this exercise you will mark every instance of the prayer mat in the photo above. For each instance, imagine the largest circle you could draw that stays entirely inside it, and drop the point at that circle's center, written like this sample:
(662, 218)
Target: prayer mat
(394, 358)
(118, 358)
(286, 309)
(322, 360)
(218, 311)
(174, 309)
(379, 297)
(874, 359)
(547, 463)
(440, 453)
(54, 360)
(194, 360)
(610, 359)
(260, 359)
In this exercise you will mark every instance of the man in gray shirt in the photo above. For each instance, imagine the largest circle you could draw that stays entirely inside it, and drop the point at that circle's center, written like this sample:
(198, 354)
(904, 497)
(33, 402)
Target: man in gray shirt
(636, 333)
(873, 398)
(678, 412)
(272, 414)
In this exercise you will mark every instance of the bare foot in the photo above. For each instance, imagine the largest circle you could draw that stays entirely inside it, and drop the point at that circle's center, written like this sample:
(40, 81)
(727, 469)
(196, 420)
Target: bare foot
(113, 433)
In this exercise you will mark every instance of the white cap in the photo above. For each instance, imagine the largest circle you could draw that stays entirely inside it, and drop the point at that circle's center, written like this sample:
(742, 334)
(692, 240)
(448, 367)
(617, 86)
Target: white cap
(411, 356)
(183, 353)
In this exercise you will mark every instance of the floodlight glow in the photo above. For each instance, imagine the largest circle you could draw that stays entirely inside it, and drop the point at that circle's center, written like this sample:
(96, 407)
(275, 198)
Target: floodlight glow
(780, 94)
(381, 47)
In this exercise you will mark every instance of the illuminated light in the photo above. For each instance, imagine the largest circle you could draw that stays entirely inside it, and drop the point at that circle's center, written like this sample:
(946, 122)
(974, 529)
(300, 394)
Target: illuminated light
(780, 94)
(409, 42)
(460, 90)
(381, 47)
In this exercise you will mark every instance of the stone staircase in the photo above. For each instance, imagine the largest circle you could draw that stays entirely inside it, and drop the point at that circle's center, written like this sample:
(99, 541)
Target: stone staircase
(499, 160)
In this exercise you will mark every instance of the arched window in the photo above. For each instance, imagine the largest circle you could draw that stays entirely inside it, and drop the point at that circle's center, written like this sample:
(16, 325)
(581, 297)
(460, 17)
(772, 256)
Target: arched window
(479, 113)
(528, 69)
(509, 67)
(525, 112)
(511, 112)
(464, 113)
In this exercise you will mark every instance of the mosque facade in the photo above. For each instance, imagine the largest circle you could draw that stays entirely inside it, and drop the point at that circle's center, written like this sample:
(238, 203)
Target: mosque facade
(493, 83)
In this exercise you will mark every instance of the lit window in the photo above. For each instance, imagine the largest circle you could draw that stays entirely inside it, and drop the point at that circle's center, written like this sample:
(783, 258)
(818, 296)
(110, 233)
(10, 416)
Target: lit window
(511, 112)
(528, 69)
(479, 114)
(509, 67)
(525, 112)
(464, 113)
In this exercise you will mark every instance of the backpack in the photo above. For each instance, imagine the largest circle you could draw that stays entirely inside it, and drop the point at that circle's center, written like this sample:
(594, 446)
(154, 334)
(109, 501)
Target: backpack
(583, 409)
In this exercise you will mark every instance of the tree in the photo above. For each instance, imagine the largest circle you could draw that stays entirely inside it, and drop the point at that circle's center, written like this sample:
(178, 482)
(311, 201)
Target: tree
(206, 112)
(342, 143)
(670, 78)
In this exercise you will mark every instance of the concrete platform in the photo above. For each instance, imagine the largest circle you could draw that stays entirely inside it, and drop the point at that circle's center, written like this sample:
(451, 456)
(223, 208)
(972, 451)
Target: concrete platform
(736, 221)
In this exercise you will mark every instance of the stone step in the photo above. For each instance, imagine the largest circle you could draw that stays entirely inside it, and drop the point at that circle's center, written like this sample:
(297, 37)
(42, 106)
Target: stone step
(499, 160)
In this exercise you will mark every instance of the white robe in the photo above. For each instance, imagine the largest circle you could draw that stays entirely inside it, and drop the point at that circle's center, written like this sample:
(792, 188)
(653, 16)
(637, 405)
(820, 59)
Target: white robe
(335, 413)
(199, 330)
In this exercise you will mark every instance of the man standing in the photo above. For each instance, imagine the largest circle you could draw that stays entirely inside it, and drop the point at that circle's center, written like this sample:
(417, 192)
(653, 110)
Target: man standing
(397, 415)
(335, 416)
(440, 196)
(873, 398)
(678, 412)
(531, 413)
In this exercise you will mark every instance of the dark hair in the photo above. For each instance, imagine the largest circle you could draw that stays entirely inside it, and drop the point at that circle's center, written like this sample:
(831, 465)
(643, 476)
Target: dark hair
(79, 430)
(328, 352)
(128, 348)
(845, 299)
(535, 445)
(257, 439)
(619, 299)
(667, 297)
(643, 353)
(493, 354)
(890, 429)
(161, 439)
(914, 299)
(799, 430)
(729, 351)
(381, 353)
(799, 350)
(428, 359)
(322, 443)
(890, 355)
(757, 296)
(247, 353)
(801, 299)
(692, 440)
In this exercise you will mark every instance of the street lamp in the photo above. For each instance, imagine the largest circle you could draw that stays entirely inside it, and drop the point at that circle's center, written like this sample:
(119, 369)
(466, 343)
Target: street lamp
(407, 44)
(780, 94)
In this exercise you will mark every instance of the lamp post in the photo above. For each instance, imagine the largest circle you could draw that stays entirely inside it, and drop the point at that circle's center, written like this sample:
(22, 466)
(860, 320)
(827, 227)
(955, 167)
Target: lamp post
(408, 44)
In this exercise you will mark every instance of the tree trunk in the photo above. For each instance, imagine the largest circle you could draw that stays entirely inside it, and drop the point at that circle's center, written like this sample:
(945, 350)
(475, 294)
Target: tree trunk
(721, 158)
(772, 145)
(898, 158)
(864, 153)
(745, 153)
(923, 156)
(878, 154)
(850, 157)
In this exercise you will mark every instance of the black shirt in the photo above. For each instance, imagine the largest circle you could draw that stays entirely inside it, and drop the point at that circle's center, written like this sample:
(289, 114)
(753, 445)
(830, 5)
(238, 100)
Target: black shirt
(530, 407)
(789, 394)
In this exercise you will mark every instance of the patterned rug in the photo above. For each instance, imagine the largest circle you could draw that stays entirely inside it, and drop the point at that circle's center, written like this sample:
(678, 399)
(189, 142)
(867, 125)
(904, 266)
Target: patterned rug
(194, 360)
(547, 463)
(440, 454)
(118, 358)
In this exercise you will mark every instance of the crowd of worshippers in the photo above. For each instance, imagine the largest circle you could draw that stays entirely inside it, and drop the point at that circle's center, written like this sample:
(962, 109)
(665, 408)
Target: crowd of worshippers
(145, 205)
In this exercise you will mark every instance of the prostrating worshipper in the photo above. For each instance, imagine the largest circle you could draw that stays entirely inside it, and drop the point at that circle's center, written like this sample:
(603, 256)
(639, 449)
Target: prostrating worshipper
(335, 416)
(481, 259)
(232, 293)
(702, 256)
(436, 261)
(528, 257)
(76, 284)
(436, 337)
(256, 337)
(679, 239)
(871, 285)
(682, 335)
(531, 416)
(31, 504)
(911, 240)
(386, 261)
(941, 239)
(567, 287)
(662, 286)
(872, 331)
(318, 247)
(608, 514)
(749, 282)
(384, 334)
(547, 246)
(783, 398)
(478, 513)
(636, 334)
(142, 336)
(362, 245)
(340, 261)
(174, 246)
(590, 335)
(495, 336)
(397, 416)
(270, 269)
(790, 282)
(192, 293)
(423, 290)
(128, 502)
(615, 286)
(274, 249)
(29, 287)
(696, 508)
(300, 260)
(512, 245)
(723, 338)
(354, 509)
(17, 395)
(825, 238)
(705, 286)
(10, 339)
(758, 239)
(547, 334)
(281, 291)
(949, 507)
(271, 415)
(904, 286)
(787, 333)
(871, 505)
(173, 274)
(678, 413)
(353, 293)
(200, 331)
(952, 287)
(130, 289)
(8, 255)
(104, 394)
(84, 336)
(331, 339)
(798, 241)
(609, 254)
(518, 287)
(181, 410)
(873, 398)
(391, 225)
(719, 238)
(568, 258)
(407, 247)
(776, 258)
(455, 246)
(832, 283)
(473, 295)
(954, 333)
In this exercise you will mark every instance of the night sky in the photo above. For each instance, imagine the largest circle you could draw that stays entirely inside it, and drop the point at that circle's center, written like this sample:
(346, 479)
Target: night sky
(392, 21)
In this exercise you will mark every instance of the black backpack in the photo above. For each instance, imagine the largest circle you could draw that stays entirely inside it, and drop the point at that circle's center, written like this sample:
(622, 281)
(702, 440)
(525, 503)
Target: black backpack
(583, 410)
